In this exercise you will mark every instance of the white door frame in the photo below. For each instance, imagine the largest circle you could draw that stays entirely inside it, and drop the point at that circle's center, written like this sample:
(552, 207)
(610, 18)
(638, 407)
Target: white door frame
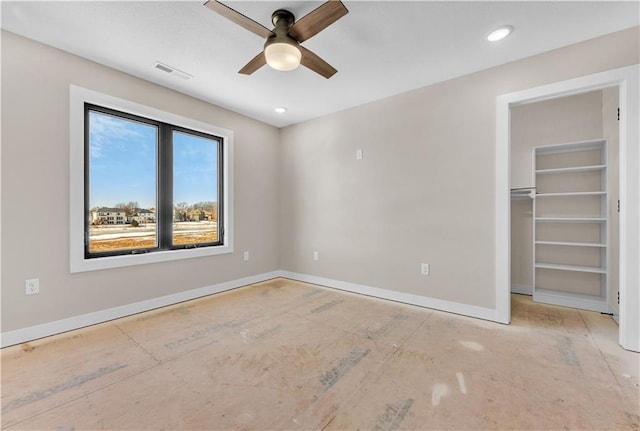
(627, 80)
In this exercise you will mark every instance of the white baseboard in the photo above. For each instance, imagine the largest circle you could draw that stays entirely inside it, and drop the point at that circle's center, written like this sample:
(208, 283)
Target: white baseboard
(522, 289)
(31, 333)
(51, 328)
(407, 298)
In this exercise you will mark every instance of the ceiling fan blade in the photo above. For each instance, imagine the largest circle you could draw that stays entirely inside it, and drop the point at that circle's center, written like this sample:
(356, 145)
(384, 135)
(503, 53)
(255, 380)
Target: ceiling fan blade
(315, 63)
(256, 63)
(238, 18)
(317, 20)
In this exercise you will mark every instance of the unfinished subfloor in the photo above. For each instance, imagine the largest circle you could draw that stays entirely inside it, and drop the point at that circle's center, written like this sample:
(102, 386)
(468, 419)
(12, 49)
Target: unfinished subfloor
(289, 355)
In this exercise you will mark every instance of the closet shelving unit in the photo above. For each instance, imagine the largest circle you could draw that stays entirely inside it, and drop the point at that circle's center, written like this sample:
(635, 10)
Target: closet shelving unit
(570, 228)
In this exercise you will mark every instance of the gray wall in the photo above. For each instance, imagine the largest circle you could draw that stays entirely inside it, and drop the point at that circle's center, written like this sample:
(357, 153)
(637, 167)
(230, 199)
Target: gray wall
(424, 191)
(522, 245)
(35, 191)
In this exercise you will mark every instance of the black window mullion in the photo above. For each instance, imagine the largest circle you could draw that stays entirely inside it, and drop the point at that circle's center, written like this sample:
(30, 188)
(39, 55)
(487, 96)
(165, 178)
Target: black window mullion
(165, 188)
(87, 210)
(220, 202)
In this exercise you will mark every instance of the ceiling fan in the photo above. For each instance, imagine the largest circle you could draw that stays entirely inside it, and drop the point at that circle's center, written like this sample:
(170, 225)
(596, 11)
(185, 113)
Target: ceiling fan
(282, 49)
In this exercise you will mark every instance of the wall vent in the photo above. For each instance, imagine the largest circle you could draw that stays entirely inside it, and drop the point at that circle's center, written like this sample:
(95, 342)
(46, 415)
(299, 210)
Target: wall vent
(172, 70)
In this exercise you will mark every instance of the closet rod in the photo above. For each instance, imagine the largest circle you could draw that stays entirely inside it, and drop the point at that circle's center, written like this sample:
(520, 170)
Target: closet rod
(523, 193)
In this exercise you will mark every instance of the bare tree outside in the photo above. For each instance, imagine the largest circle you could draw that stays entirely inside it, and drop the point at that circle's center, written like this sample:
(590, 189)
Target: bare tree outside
(130, 208)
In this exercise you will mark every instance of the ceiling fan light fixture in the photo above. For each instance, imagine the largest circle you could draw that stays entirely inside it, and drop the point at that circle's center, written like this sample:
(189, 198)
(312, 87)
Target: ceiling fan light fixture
(499, 33)
(282, 49)
(282, 56)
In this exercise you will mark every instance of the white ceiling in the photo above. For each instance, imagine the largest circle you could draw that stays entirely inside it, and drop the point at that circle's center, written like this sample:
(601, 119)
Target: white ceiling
(380, 48)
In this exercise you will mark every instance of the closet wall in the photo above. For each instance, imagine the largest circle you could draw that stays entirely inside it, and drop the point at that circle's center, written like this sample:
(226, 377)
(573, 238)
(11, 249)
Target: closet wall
(556, 121)
(522, 245)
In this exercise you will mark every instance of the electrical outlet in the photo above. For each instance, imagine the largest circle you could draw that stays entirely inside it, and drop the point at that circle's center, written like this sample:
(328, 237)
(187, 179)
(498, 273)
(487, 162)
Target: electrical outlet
(359, 154)
(425, 269)
(315, 255)
(32, 286)
(246, 256)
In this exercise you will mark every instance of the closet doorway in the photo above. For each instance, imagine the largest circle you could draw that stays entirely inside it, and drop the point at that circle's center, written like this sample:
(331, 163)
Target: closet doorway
(564, 195)
(564, 158)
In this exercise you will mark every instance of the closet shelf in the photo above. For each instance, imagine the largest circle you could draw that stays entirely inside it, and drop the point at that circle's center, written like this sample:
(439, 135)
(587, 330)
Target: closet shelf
(572, 243)
(570, 299)
(570, 219)
(571, 294)
(563, 194)
(576, 268)
(575, 169)
(558, 218)
(590, 144)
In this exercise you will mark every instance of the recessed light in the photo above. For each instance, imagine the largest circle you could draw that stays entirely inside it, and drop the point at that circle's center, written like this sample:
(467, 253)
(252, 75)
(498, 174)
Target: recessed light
(499, 33)
(280, 109)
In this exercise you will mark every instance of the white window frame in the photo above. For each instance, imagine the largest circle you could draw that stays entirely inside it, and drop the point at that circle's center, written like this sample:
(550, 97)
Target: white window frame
(78, 263)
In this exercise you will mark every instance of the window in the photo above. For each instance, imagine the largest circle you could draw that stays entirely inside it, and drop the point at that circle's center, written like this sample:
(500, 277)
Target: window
(153, 186)
(161, 181)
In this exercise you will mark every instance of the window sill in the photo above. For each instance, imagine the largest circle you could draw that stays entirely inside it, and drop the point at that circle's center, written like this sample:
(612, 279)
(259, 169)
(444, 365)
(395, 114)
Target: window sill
(80, 264)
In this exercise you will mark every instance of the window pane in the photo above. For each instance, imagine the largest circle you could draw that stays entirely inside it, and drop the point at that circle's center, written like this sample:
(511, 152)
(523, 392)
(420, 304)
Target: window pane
(122, 183)
(195, 189)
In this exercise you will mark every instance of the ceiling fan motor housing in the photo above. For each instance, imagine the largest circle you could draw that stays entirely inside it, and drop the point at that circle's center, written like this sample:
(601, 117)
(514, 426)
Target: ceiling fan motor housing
(282, 20)
(282, 17)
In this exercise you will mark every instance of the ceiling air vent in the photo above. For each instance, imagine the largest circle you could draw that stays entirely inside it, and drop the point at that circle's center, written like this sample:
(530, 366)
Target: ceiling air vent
(173, 71)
